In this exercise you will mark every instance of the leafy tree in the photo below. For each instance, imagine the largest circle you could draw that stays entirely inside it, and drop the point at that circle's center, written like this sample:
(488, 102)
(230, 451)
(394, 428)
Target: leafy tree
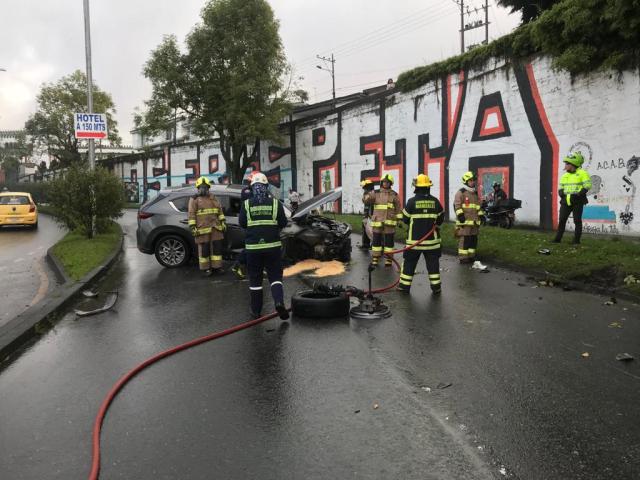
(11, 154)
(229, 80)
(52, 126)
(530, 9)
(70, 198)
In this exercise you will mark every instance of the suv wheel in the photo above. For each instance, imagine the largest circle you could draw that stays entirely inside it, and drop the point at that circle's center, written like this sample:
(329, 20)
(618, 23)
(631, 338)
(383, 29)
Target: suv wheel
(172, 251)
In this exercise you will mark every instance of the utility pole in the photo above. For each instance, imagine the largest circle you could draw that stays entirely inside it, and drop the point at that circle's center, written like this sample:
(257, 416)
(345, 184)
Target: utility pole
(332, 72)
(87, 47)
(92, 159)
(472, 25)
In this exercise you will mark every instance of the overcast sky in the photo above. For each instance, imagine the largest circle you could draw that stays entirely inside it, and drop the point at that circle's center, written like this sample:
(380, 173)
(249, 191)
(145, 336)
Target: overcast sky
(43, 40)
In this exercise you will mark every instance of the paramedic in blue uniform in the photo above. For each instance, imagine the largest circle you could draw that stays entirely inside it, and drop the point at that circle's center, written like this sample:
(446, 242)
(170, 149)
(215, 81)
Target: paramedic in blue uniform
(262, 217)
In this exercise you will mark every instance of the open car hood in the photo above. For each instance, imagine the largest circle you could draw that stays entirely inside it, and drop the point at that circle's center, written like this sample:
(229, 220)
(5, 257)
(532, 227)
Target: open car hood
(316, 202)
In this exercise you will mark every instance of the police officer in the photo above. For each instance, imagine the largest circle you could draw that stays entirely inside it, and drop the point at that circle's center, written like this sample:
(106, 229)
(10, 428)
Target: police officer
(387, 210)
(466, 205)
(367, 186)
(263, 217)
(207, 223)
(574, 185)
(422, 213)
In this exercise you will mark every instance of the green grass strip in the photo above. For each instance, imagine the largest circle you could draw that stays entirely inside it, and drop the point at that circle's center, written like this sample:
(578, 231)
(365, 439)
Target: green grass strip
(598, 260)
(79, 255)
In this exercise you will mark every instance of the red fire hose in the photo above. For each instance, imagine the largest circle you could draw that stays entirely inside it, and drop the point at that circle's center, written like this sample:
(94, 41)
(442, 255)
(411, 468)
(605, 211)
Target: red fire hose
(97, 425)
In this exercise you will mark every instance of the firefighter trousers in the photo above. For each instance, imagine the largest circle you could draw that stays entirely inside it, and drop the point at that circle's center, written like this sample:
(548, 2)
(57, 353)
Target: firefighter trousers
(257, 262)
(381, 242)
(411, 258)
(210, 255)
(467, 246)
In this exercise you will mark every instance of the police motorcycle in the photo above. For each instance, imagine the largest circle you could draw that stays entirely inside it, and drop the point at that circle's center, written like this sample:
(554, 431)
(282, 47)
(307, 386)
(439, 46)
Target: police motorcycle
(501, 213)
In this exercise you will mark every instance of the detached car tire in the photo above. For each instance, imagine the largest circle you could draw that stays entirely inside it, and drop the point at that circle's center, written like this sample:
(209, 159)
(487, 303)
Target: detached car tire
(172, 251)
(311, 304)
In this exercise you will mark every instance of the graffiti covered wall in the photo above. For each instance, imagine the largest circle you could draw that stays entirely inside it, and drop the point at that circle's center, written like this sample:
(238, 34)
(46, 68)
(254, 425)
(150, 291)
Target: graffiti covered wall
(509, 123)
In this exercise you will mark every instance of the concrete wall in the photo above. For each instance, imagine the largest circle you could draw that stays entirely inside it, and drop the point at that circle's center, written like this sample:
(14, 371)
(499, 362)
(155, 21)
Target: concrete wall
(511, 123)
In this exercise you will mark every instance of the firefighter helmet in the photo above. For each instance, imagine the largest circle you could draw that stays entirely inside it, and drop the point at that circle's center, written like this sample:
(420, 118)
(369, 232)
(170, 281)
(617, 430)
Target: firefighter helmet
(203, 181)
(576, 159)
(259, 178)
(468, 176)
(388, 177)
(422, 180)
(365, 182)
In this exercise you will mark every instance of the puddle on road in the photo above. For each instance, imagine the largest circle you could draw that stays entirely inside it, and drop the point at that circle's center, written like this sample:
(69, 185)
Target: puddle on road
(320, 269)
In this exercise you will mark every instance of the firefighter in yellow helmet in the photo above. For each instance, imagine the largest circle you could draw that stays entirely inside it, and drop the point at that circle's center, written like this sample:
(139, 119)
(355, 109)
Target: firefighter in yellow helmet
(367, 186)
(422, 213)
(466, 205)
(207, 223)
(387, 210)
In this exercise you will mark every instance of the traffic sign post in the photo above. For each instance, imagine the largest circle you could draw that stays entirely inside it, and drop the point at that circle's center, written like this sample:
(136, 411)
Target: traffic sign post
(90, 125)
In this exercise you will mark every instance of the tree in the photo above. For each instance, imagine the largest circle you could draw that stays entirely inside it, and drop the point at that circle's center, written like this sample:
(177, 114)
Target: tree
(11, 154)
(530, 9)
(52, 125)
(70, 198)
(229, 80)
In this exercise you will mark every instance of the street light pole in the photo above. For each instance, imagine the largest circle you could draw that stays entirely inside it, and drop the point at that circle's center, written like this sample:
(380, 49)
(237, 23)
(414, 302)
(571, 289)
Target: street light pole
(87, 46)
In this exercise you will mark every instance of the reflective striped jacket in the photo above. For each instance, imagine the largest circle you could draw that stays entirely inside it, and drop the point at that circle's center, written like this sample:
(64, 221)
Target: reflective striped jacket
(206, 215)
(575, 183)
(262, 222)
(387, 209)
(467, 202)
(421, 213)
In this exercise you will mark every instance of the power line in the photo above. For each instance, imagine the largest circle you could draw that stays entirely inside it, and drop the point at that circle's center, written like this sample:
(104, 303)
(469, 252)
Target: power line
(357, 48)
(411, 20)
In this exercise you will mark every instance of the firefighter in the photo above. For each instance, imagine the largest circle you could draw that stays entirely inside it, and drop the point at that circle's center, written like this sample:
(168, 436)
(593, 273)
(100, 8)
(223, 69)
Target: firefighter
(574, 185)
(466, 205)
(422, 213)
(207, 223)
(262, 216)
(367, 186)
(387, 210)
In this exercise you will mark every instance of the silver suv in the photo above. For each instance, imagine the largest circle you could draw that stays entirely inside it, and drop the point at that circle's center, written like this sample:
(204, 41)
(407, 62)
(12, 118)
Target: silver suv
(163, 227)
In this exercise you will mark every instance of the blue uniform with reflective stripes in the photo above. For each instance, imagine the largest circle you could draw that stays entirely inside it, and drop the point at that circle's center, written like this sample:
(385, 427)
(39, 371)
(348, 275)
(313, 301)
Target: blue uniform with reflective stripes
(262, 222)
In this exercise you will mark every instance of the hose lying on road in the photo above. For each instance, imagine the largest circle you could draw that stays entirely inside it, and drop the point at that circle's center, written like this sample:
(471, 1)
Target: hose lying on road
(102, 412)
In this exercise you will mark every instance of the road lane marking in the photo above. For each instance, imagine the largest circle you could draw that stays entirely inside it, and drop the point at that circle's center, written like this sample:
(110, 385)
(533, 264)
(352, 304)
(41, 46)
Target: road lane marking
(44, 283)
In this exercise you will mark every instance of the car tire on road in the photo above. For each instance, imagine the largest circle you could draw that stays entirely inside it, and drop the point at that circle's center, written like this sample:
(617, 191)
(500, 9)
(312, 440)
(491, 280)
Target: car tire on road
(172, 251)
(35, 226)
(312, 304)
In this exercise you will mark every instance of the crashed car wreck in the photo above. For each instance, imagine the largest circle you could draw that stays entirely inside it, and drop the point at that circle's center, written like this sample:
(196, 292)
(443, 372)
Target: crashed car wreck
(163, 228)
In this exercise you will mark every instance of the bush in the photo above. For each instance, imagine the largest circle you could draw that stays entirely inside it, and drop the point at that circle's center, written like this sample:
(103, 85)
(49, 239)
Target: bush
(70, 198)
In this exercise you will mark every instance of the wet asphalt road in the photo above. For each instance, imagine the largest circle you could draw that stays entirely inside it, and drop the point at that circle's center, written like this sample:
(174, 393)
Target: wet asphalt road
(298, 399)
(26, 277)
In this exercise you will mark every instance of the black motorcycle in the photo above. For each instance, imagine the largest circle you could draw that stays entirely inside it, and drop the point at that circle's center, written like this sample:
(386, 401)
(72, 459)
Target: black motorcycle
(503, 214)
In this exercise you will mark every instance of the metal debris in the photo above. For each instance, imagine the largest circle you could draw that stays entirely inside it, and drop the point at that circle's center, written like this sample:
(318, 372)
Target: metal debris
(544, 251)
(624, 357)
(89, 293)
(442, 385)
(108, 304)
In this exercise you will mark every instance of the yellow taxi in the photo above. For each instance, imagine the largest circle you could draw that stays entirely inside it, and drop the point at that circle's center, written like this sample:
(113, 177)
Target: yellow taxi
(18, 208)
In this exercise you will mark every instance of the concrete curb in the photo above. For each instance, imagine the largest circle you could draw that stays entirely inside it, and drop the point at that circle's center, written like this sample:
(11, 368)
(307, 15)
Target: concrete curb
(31, 322)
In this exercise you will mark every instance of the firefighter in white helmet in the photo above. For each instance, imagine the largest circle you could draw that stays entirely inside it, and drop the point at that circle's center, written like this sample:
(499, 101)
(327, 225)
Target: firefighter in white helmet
(207, 223)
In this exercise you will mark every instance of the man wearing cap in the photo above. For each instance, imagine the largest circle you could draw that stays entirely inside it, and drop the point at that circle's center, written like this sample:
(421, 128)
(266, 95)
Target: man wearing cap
(387, 210)
(574, 185)
(423, 214)
(466, 205)
(207, 223)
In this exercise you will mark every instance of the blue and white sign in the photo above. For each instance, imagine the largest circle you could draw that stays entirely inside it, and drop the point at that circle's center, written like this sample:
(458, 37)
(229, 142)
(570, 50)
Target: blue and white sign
(91, 125)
